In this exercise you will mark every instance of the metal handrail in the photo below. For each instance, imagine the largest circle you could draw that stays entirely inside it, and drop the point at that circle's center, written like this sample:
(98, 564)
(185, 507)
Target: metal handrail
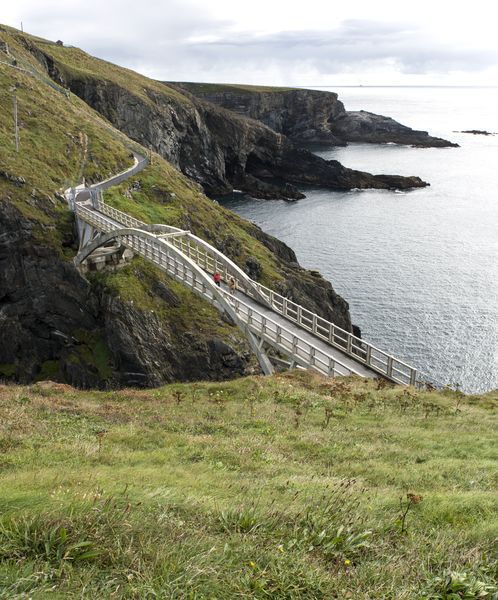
(212, 260)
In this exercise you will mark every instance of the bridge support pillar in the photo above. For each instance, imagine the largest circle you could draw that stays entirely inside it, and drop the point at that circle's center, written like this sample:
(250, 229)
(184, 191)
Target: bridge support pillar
(86, 233)
(257, 346)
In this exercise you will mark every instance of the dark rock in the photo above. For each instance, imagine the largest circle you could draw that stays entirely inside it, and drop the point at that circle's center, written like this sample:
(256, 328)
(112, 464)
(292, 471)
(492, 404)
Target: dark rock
(53, 318)
(209, 144)
(362, 126)
(277, 247)
(230, 246)
(253, 268)
(162, 291)
(17, 181)
(312, 116)
(302, 167)
(478, 132)
(269, 191)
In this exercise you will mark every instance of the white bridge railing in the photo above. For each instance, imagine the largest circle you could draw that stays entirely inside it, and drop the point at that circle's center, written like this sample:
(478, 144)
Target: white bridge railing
(211, 260)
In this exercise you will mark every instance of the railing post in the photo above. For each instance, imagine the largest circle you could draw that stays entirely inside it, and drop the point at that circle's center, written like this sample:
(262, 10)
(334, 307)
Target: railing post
(389, 371)
(299, 314)
(349, 344)
(413, 376)
(312, 356)
(331, 367)
(284, 306)
(368, 358)
(313, 326)
(279, 334)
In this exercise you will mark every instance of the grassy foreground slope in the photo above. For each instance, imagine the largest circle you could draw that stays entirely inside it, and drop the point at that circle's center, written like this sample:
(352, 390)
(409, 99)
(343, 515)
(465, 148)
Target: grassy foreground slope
(282, 487)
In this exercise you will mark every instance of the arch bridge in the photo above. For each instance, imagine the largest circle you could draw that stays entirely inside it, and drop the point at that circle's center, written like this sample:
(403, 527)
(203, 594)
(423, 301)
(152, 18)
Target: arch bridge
(266, 317)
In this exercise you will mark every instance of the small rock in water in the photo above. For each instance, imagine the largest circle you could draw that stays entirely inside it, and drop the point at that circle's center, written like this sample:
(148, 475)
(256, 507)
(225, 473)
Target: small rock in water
(477, 132)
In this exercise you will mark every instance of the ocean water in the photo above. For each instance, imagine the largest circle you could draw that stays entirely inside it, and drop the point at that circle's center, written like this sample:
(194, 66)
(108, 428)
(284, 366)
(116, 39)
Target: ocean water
(419, 269)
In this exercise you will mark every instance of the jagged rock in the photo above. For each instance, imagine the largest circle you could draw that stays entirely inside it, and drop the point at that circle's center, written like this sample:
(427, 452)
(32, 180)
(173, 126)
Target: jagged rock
(52, 318)
(230, 246)
(17, 181)
(312, 116)
(253, 268)
(363, 126)
(477, 132)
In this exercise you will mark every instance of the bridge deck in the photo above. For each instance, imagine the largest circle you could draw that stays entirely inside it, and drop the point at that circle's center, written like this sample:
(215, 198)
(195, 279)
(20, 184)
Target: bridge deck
(312, 340)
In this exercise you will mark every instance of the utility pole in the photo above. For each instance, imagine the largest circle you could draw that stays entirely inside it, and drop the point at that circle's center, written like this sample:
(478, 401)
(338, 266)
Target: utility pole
(16, 123)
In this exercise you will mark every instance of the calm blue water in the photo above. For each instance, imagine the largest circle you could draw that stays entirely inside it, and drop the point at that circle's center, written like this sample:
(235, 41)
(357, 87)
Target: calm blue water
(419, 269)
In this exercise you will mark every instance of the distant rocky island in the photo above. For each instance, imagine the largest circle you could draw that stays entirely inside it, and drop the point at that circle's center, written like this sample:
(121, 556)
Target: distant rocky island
(477, 132)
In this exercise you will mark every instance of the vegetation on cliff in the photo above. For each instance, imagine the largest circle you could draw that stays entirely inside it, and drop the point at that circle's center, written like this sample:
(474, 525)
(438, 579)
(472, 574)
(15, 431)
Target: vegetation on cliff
(285, 487)
(56, 324)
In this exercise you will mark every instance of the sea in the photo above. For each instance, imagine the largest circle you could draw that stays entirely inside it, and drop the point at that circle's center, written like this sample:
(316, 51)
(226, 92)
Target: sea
(418, 268)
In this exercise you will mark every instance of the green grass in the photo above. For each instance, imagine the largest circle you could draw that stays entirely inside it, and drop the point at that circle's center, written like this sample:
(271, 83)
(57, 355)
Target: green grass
(61, 141)
(208, 88)
(159, 194)
(136, 284)
(243, 490)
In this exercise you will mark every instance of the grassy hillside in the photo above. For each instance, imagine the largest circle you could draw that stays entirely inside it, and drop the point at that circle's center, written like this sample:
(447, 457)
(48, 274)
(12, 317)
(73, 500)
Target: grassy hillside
(63, 140)
(284, 487)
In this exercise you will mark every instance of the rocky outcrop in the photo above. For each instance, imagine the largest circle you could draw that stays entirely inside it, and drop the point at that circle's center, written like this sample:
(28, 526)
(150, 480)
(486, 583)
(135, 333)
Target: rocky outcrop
(54, 324)
(301, 115)
(478, 132)
(367, 127)
(312, 116)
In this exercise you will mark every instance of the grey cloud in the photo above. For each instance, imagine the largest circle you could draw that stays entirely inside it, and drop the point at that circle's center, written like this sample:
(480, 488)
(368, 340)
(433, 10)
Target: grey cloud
(159, 42)
(355, 45)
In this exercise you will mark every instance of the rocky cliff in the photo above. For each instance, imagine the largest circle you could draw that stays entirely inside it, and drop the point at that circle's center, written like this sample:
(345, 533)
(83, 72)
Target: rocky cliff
(211, 145)
(55, 324)
(311, 116)
(132, 326)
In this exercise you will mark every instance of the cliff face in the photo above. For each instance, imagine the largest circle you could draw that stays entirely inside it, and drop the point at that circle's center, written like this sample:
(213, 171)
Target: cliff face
(315, 116)
(301, 115)
(55, 324)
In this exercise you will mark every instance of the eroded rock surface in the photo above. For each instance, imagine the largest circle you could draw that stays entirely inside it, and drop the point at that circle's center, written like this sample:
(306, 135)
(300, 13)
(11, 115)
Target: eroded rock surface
(312, 116)
(55, 325)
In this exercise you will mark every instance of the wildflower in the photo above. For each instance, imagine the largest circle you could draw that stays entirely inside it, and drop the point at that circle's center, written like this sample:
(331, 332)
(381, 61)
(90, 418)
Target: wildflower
(347, 562)
(414, 498)
(252, 565)
(280, 548)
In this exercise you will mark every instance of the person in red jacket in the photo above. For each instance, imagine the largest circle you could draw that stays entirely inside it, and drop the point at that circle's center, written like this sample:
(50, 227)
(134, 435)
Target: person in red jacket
(217, 279)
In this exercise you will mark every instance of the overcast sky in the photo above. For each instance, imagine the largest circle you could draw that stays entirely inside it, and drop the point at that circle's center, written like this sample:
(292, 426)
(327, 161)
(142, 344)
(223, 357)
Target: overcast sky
(312, 42)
